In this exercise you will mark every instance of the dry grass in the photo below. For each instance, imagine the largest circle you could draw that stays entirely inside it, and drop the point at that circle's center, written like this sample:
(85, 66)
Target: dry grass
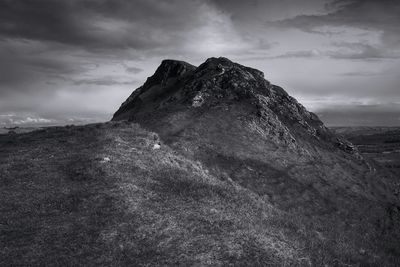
(62, 203)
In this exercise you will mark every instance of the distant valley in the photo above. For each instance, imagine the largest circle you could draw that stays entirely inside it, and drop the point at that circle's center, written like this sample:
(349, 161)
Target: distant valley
(381, 144)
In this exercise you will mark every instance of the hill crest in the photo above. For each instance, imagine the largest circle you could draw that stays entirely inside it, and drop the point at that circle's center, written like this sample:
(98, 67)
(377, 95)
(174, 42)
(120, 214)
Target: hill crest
(220, 82)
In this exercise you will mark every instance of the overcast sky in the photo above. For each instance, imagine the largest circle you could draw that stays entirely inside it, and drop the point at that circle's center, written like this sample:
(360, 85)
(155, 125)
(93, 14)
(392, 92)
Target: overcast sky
(69, 62)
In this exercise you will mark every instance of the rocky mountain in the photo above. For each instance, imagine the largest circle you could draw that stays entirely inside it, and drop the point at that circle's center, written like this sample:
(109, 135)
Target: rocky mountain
(252, 133)
(201, 166)
(222, 84)
(223, 110)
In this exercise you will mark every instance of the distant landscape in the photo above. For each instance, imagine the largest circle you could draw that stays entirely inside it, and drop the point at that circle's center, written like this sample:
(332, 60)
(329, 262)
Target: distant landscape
(381, 144)
(17, 129)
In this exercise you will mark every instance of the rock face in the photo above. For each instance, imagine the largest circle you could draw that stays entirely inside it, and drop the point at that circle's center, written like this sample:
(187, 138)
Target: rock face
(165, 77)
(251, 133)
(222, 111)
(219, 83)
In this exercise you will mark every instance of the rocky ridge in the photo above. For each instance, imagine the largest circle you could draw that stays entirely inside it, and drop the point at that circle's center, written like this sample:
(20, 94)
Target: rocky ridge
(221, 82)
(238, 124)
(252, 134)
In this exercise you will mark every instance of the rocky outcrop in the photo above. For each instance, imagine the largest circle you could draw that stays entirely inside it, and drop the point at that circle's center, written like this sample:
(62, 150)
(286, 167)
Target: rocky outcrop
(252, 134)
(221, 82)
(166, 76)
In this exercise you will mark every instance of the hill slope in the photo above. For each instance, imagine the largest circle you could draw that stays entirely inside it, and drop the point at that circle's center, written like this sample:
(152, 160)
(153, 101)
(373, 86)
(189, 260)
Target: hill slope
(224, 169)
(243, 128)
(102, 195)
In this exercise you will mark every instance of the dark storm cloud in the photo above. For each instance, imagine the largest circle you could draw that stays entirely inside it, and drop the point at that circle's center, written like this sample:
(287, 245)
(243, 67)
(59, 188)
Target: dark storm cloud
(249, 11)
(345, 50)
(24, 63)
(63, 59)
(371, 15)
(367, 14)
(103, 24)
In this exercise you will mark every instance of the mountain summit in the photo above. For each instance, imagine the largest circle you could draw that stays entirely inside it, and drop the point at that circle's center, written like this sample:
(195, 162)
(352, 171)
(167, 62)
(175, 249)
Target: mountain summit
(219, 83)
(253, 134)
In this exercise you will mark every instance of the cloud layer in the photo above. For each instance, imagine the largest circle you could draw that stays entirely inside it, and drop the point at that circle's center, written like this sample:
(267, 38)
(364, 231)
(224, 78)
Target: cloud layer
(65, 60)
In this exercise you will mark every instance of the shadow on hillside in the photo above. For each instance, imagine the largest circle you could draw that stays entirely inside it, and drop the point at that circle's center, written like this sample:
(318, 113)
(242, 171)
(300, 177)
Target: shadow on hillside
(56, 197)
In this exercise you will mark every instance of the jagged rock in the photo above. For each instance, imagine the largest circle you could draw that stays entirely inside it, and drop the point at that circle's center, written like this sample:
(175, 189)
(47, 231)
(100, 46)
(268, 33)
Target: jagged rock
(221, 82)
(166, 76)
(346, 145)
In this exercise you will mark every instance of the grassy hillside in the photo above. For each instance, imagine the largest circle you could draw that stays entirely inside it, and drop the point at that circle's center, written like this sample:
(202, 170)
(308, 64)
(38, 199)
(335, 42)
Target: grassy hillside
(103, 194)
